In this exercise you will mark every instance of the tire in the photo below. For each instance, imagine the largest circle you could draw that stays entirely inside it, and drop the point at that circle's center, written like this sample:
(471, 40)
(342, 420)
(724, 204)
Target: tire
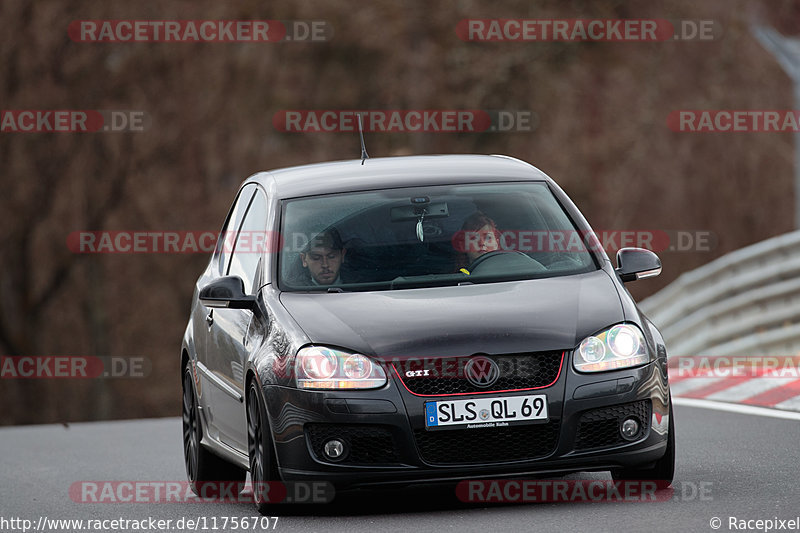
(263, 466)
(204, 469)
(663, 471)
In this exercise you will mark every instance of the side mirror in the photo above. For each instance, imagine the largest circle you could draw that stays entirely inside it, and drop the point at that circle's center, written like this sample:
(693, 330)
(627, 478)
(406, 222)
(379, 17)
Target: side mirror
(637, 263)
(227, 292)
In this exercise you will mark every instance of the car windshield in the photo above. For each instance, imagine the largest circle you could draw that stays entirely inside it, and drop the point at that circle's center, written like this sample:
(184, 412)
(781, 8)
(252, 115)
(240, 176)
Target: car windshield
(428, 236)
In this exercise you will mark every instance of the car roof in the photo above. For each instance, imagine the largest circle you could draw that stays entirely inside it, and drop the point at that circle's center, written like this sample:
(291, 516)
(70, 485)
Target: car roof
(394, 172)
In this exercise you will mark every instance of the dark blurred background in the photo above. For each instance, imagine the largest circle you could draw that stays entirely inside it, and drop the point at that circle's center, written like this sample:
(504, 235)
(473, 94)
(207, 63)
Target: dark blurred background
(602, 134)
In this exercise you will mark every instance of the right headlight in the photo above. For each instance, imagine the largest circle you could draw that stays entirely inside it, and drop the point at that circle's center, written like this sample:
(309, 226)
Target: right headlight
(320, 367)
(619, 346)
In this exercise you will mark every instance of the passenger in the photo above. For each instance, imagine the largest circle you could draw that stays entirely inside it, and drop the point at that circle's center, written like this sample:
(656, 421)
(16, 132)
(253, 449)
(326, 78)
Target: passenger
(481, 236)
(322, 258)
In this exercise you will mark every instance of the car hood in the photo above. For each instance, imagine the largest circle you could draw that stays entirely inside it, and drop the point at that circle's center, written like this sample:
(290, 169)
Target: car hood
(493, 318)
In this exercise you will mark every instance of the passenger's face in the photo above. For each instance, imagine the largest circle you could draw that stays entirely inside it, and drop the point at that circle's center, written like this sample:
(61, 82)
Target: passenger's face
(486, 242)
(323, 263)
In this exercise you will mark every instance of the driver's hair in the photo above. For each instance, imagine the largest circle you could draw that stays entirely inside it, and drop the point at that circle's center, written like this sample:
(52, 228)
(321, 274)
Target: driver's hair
(329, 238)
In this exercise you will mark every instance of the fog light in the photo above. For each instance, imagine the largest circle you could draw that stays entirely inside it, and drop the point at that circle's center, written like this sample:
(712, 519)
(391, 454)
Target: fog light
(334, 449)
(629, 428)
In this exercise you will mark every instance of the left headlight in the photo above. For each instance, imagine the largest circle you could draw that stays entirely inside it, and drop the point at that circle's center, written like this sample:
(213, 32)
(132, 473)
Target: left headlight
(619, 346)
(320, 367)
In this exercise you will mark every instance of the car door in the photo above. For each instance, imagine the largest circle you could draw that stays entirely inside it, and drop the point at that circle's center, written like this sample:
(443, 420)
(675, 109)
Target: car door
(229, 339)
(203, 317)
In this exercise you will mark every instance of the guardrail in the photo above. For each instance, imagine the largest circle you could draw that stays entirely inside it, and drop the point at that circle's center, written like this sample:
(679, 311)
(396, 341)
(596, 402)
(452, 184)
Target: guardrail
(744, 303)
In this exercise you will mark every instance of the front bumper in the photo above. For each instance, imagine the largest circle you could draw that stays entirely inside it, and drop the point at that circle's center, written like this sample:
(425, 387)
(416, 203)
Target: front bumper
(388, 442)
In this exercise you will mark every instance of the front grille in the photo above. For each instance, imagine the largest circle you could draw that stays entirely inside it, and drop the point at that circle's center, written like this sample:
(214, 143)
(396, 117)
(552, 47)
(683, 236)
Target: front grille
(599, 428)
(490, 445)
(366, 444)
(446, 375)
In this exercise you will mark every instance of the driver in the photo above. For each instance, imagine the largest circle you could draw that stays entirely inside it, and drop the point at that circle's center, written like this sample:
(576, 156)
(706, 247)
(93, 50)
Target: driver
(481, 236)
(323, 258)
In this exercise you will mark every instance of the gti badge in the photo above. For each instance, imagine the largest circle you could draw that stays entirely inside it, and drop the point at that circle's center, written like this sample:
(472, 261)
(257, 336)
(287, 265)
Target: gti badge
(416, 373)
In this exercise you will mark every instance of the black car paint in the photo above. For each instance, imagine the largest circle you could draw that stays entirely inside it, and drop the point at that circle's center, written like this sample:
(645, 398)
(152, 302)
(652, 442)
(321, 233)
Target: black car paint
(558, 312)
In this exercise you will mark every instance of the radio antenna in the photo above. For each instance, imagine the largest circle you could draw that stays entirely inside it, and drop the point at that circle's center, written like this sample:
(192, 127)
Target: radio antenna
(364, 154)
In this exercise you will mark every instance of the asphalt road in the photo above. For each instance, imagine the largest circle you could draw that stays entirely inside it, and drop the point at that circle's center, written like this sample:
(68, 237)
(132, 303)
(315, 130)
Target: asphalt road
(729, 464)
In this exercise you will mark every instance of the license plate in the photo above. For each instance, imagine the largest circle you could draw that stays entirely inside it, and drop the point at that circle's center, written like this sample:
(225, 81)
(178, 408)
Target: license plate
(486, 412)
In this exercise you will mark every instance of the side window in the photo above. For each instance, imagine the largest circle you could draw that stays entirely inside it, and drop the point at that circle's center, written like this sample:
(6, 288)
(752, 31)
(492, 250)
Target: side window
(250, 242)
(228, 235)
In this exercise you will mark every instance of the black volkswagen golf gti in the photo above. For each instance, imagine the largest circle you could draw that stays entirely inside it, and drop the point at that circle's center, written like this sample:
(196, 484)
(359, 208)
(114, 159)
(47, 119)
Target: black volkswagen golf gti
(417, 319)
